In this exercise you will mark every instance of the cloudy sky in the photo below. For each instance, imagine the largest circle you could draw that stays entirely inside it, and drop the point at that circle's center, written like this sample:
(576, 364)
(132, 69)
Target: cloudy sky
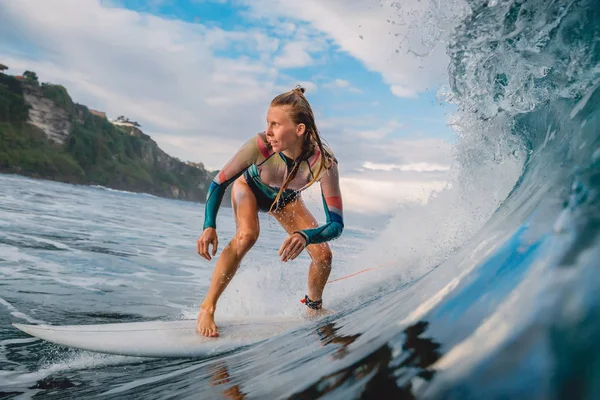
(198, 76)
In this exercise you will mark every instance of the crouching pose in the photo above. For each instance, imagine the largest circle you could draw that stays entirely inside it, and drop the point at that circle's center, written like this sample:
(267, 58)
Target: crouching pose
(268, 173)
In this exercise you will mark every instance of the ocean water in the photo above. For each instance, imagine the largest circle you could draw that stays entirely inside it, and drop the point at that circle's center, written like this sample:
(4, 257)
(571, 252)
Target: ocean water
(491, 290)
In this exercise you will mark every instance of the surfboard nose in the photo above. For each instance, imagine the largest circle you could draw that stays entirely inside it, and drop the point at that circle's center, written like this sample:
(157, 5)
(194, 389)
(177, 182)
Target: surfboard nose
(29, 329)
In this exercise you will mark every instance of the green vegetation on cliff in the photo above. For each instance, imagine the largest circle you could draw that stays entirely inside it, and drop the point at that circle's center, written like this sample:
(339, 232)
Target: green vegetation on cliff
(24, 148)
(94, 152)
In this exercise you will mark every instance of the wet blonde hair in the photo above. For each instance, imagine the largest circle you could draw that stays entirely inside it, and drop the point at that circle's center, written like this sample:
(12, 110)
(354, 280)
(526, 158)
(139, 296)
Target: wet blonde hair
(301, 112)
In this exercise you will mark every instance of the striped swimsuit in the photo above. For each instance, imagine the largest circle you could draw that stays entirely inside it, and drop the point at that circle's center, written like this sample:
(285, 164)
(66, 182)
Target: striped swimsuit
(265, 171)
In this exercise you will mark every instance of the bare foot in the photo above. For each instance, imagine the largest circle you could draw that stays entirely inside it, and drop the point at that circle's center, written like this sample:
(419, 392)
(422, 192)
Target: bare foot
(206, 322)
(314, 314)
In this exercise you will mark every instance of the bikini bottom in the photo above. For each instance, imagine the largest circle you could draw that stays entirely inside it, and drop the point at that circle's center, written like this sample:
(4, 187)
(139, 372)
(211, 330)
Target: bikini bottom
(265, 200)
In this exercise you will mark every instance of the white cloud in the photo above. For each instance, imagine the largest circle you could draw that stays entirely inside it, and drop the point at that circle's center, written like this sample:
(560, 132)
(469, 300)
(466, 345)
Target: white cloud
(367, 196)
(294, 55)
(342, 84)
(393, 159)
(403, 41)
(378, 197)
(195, 148)
(416, 167)
(379, 133)
(412, 150)
(401, 91)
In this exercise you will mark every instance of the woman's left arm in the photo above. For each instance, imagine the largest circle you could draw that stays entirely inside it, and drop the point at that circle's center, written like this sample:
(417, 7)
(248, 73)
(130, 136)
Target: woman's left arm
(332, 203)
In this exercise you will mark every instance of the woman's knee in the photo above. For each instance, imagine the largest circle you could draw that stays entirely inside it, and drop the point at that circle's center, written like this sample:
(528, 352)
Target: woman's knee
(321, 255)
(246, 238)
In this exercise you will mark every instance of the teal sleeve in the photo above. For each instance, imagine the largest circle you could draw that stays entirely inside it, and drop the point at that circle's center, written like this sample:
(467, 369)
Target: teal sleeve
(332, 228)
(214, 198)
(244, 157)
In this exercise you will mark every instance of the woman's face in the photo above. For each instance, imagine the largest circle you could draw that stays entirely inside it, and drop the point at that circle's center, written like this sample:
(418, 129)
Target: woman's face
(282, 133)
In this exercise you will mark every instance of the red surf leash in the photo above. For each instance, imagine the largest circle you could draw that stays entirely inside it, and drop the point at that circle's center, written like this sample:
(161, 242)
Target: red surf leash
(349, 276)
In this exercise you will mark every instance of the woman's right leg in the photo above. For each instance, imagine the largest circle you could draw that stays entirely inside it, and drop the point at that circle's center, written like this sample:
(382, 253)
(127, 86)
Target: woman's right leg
(245, 210)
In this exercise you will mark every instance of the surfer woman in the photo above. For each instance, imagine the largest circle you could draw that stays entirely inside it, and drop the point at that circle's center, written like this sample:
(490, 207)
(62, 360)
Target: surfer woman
(268, 173)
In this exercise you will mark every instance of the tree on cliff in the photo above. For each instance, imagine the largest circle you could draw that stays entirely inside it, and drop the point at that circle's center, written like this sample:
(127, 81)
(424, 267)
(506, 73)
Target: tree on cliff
(31, 77)
(3, 67)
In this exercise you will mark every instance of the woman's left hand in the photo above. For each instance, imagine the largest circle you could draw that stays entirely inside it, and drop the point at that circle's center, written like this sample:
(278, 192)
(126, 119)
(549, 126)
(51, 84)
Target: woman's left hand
(292, 247)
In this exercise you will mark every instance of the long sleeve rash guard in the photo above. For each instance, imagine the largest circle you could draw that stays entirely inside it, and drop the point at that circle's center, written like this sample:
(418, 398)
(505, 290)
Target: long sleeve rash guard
(268, 170)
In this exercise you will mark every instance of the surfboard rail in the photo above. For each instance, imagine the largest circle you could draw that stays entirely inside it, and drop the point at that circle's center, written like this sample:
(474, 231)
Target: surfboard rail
(177, 339)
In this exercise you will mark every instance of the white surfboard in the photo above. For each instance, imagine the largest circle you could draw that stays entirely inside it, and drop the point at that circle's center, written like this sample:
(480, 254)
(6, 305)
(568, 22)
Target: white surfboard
(162, 339)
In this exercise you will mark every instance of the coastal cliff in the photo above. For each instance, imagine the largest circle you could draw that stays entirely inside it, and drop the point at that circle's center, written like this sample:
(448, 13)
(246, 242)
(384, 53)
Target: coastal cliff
(44, 134)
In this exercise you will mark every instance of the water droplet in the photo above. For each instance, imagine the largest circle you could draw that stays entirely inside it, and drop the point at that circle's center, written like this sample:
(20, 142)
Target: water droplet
(596, 155)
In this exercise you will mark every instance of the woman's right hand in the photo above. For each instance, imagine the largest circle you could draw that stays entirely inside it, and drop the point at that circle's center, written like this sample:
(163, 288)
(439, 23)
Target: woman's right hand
(209, 236)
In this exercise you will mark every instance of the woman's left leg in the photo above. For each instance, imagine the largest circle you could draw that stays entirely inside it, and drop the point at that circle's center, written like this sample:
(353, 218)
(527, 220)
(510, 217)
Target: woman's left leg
(294, 217)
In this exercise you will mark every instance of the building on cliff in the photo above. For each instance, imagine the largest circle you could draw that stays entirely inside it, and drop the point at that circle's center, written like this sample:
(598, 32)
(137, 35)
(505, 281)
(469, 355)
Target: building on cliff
(97, 113)
(131, 127)
(124, 121)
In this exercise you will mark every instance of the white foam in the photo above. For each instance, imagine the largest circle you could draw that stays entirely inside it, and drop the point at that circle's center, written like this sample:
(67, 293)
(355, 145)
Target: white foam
(17, 341)
(123, 191)
(18, 314)
(74, 361)
(54, 243)
(272, 288)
